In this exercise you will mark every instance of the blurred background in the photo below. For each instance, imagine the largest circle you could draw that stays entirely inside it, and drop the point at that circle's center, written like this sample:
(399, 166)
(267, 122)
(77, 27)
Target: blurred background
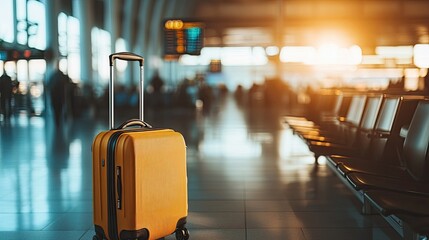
(223, 73)
(197, 49)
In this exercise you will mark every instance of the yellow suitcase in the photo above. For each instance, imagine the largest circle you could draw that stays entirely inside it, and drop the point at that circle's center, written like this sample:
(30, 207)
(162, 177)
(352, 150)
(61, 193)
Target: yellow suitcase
(139, 177)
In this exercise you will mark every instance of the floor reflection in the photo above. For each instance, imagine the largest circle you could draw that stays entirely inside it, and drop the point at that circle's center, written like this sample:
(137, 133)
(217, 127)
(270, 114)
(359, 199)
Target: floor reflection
(45, 172)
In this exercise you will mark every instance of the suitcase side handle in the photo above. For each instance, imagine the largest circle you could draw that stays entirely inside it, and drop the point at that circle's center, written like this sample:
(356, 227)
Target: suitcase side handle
(134, 122)
(119, 187)
(126, 56)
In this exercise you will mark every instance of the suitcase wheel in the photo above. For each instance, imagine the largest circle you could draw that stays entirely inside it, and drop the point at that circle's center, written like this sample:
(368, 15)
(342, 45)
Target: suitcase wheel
(97, 237)
(182, 234)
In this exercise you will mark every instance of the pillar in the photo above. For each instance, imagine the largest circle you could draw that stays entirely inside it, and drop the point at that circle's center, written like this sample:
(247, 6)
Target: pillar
(83, 11)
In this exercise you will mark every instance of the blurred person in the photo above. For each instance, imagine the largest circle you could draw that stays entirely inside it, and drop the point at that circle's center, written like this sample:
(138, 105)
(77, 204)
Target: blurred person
(398, 84)
(157, 84)
(57, 86)
(205, 94)
(133, 96)
(121, 96)
(6, 88)
(239, 94)
(73, 101)
(183, 97)
(426, 83)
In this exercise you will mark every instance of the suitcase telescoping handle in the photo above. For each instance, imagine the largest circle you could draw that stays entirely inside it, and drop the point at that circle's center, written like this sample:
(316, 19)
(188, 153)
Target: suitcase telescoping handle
(127, 56)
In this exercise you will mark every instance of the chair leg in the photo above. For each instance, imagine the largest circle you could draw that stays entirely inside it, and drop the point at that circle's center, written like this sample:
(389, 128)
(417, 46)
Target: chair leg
(409, 234)
(367, 208)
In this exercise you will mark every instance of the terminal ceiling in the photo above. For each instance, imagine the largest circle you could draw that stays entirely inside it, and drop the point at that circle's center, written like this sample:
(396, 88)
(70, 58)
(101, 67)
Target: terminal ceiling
(367, 23)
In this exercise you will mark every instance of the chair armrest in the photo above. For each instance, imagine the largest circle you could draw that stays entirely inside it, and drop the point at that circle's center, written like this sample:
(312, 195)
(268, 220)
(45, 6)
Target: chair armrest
(404, 131)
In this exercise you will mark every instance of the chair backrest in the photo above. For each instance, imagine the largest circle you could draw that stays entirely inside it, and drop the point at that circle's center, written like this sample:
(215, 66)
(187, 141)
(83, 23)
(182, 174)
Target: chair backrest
(393, 152)
(354, 114)
(337, 104)
(349, 125)
(367, 123)
(323, 103)
(415, 152)
(387, 114)
(383, 127)
(344, 106)
(370, 113)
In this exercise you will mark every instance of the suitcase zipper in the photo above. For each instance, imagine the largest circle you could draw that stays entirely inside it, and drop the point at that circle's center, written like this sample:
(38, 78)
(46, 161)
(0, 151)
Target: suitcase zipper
(111, 199)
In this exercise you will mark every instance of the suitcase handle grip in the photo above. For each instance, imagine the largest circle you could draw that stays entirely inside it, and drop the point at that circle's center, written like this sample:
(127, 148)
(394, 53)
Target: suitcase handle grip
(134, 122)
(127, 56)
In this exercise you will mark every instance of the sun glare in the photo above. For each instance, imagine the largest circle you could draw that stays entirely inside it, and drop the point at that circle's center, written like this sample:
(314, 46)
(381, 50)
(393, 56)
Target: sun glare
(326, 54)
(421, 55)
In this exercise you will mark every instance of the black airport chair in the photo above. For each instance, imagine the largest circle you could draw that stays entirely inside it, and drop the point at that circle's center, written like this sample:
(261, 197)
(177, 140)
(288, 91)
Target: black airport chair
(338, 111)
(389, 202)
(353, 141)
(411, 209)
(415, 156)
(385, 143)
(336, 131)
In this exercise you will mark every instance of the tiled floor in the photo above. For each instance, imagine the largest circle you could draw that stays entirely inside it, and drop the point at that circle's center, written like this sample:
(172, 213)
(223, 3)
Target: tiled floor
(249, 178)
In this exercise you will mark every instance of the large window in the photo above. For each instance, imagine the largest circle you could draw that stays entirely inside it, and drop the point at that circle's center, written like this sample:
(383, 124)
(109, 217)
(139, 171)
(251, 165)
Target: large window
(31, 28)
(69, 45)
(30, 32)
(7, 25)
(100, 42)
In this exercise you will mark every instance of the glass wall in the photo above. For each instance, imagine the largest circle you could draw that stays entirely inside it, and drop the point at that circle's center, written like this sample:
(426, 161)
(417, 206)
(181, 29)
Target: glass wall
(7, 27)
(23, 29)
(31, 23)
(321, 66)
(69, 45)
(100, 42)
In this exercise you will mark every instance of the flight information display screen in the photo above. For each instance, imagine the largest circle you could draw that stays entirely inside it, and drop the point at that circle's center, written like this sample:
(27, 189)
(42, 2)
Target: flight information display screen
(3, 55)
(183, 37)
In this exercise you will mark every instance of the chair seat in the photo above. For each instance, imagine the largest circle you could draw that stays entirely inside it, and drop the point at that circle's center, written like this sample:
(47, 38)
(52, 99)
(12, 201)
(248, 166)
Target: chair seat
(368, 181)
(376, 168)
(418, 224)
(391, 202)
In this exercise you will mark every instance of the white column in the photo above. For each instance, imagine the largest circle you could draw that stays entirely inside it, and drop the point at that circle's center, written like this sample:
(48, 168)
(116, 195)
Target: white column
(127, 29)
(110, 20)
(142, 34)
(52, 11)
(83, 11)
(154, 45)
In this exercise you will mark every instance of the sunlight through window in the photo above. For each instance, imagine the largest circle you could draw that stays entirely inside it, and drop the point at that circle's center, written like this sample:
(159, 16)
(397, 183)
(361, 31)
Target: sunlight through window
(421, 55)
(7, 26)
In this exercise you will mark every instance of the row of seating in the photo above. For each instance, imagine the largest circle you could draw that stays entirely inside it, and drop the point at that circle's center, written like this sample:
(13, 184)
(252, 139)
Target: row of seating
(379, 148)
